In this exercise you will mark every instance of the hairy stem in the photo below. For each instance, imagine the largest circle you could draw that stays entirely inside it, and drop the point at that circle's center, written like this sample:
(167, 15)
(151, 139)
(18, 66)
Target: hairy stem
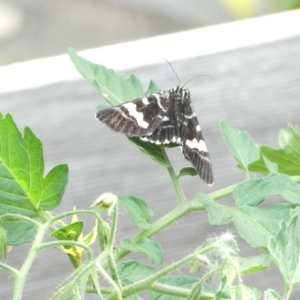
(20, 280)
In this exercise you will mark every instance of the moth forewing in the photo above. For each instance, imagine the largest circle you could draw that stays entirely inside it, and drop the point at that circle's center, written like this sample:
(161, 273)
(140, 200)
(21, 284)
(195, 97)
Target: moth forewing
(163, 118)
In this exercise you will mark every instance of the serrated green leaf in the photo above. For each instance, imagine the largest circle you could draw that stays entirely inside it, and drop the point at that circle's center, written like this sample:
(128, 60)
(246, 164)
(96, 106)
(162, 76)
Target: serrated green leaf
(70, 232)
(271, 295)
(152, 89)
(256, 226)
(254, 191)
(254, 264)
(150, 248)
(287, 158)
(177, 281)
(285, 250)
(131, 271)
(115, 88)
(23, 189)
(54, 186)
(138, 211)
(240, 144)
(187, 171)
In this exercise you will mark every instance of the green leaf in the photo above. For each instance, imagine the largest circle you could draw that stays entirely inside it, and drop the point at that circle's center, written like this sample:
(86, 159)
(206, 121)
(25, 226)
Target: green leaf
(102, 107)
(243, 292)
(255, 293)
(131, 271)
(138, 211)
(115, 88)
(103, 233)
(150, 248)
(272, 167)
(254, 264)
(254, 191)
(271, 295)
(156, 152)
(217, 214)
(19, 232)
(285, 250)
(152, 89)
(70, 232)
(223, 290)
(256, 226)
(176, 281)
(187, 171)
(240, 144)
(287, 158)
(23, 190)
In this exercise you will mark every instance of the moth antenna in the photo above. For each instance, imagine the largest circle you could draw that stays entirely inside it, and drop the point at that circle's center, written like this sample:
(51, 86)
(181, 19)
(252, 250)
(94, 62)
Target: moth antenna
(171, 68)
(196, 77)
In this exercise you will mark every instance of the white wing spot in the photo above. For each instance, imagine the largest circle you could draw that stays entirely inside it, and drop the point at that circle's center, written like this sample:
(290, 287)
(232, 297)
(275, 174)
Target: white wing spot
(194, 144)
(139, 117)
(198, 128)
(145, 101)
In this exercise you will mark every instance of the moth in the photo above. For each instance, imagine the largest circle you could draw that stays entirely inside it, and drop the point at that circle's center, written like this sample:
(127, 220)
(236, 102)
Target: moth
(163, 118)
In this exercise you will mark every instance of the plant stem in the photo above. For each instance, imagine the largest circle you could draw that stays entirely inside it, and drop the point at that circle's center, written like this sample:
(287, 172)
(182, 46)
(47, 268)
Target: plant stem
(66, 243)
(110, 246)
(178, 189)
(222, 193)
(20, 279)
(169, 290)
(112, 236)
(10, 269)
(118, 292)
(287, 292)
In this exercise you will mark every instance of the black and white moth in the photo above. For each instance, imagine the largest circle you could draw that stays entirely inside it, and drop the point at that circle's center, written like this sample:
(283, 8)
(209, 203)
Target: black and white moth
(163, 118)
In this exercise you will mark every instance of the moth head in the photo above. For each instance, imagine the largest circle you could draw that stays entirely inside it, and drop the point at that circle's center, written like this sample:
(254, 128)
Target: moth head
(184, 93)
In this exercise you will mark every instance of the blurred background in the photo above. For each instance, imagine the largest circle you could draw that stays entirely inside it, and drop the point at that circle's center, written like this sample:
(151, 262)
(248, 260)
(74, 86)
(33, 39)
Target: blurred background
(33, 28)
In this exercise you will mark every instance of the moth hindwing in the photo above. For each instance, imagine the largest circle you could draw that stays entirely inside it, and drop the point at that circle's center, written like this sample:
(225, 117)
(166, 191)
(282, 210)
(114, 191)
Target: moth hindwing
(163, 118)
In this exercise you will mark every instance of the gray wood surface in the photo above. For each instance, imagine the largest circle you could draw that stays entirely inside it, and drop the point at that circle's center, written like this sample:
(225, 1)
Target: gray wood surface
(256, 88)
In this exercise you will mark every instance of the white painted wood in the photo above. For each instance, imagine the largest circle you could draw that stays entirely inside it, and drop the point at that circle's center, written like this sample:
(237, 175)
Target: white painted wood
(177, 46)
